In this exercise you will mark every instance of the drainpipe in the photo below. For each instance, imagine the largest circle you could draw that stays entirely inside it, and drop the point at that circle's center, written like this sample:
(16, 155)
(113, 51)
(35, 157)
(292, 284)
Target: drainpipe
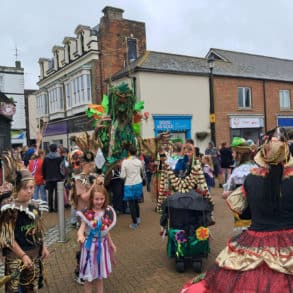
(265, 105)
(100, 96)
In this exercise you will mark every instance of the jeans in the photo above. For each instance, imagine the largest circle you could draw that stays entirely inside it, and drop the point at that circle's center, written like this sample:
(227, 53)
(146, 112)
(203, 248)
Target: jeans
(148, 181)
(73, 217)
(134, 210)
(40, 189)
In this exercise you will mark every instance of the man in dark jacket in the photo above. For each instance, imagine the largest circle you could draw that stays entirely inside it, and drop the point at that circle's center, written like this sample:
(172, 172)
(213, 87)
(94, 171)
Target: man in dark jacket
(52, 174)
(226, 160)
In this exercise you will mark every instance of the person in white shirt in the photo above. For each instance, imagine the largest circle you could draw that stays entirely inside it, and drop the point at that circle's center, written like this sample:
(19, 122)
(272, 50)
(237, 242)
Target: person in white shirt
(131, 171)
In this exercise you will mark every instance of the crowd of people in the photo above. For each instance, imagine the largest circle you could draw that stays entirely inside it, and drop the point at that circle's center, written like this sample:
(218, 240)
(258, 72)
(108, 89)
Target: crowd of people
(256, 182)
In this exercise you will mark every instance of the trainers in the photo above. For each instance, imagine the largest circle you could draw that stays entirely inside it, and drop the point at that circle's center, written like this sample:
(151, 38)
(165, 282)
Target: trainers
(78, 280)
(133, 226)
(138, 220)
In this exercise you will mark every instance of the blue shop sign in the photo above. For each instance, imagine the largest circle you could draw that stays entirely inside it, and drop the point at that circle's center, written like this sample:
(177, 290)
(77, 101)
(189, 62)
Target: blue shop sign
(285, 121)
(173, 124)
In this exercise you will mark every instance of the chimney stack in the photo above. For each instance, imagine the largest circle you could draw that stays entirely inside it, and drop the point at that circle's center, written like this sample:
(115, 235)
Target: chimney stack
(18, 64)
(113, 13)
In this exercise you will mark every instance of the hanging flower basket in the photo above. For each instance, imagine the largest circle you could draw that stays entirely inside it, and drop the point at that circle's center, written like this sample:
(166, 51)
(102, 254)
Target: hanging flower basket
(201, 135)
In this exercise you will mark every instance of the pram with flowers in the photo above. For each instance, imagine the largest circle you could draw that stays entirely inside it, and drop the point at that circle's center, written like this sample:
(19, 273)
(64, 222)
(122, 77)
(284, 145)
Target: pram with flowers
(185, 218)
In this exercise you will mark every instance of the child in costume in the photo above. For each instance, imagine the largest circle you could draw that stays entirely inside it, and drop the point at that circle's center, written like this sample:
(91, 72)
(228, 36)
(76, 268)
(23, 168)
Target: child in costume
(97, 246)
(208, 170)
(22, 237)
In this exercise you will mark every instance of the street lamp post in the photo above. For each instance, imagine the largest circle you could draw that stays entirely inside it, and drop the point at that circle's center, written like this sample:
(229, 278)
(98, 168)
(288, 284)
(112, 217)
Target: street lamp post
(211, 63)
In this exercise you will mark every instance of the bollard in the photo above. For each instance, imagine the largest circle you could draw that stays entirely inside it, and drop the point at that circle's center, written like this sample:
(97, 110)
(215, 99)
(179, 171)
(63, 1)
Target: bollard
(61, 216)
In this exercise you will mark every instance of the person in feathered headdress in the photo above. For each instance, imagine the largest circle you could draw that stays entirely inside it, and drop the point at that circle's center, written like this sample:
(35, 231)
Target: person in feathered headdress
(260, 258)
(21, 233)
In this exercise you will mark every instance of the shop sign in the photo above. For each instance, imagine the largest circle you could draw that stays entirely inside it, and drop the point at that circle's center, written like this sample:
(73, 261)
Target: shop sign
(7, 109)
(241, 122)
(172, 123)
(56, 128)
(80, 124)
(285, 121)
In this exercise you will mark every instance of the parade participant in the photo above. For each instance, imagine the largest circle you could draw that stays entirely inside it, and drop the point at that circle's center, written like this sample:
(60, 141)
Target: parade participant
(243, 166)
(83, 184)
(116, 186)
(259, 259)
(75, 166)
(22, 237)
(131, 170)
(97, 246)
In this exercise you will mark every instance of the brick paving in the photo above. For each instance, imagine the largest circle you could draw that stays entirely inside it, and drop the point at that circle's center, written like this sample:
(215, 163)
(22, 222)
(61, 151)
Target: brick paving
(141, 262)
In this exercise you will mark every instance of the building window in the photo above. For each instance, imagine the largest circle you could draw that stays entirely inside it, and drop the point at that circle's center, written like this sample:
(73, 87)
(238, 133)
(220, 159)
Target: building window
(74, 92)
(68, 95)
(56, 99)
(131, 49)
(78, 89)
(60, 97)
(244, 97)
(82, 43)
(68, 53)
(284, 99)
(82, 88)
(88, 87)
(46, 102)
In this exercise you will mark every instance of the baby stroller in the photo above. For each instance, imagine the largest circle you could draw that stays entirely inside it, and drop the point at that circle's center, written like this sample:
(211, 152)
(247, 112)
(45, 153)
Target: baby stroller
(186, 217)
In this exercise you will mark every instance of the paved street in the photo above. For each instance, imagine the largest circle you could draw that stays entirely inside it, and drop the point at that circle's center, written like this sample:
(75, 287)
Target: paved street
(141, 262)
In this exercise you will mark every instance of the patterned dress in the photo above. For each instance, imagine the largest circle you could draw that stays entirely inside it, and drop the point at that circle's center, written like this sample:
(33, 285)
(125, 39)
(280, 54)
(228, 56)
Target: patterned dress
(96, 254)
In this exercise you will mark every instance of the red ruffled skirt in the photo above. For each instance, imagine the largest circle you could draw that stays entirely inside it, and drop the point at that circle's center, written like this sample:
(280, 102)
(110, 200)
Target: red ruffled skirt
(252, 262)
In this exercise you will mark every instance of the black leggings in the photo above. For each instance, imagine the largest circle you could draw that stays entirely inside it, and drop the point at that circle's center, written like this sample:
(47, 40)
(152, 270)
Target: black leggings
(52, 195)
(134, 210)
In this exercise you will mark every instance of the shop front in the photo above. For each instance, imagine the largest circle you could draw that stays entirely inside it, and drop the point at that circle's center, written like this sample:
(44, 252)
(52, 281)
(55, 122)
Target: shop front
(62, 132)
(248, 127)
(55, 133)
(286, 122)
(178, 125)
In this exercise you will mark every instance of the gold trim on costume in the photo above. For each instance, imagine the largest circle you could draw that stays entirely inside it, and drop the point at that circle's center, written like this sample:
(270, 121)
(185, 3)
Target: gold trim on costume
(237, 201)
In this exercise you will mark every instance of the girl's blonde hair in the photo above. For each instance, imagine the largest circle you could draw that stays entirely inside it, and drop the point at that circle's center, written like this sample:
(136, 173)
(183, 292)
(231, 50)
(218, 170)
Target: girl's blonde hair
(209, 161)
(99, 188)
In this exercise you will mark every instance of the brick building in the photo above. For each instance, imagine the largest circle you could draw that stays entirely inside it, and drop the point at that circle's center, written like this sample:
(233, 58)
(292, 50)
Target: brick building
(252, 94)
(75, 76)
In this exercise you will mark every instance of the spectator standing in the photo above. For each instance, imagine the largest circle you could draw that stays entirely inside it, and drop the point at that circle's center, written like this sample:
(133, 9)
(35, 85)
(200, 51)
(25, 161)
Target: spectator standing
(208, 170)
(52, 174)
(150, 168)
(212, 151)
(35, 166)
(226, 160)
(131, 170)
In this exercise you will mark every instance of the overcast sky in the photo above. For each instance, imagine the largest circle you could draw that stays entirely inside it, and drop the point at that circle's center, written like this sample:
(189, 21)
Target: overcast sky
(188, 27)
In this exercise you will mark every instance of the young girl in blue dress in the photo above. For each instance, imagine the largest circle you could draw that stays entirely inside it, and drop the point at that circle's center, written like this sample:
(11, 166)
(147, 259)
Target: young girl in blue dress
(97, 247)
